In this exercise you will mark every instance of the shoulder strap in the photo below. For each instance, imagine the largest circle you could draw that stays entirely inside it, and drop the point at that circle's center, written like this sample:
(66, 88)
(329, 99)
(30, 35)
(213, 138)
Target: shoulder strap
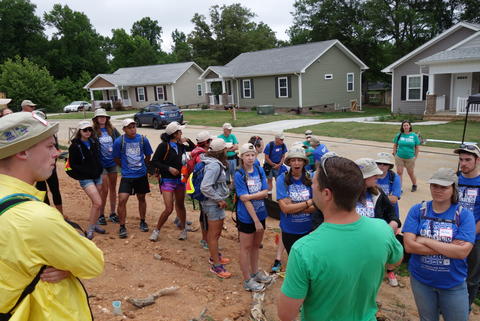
(398, 138)
(423, 210)
(457, 214)
(270, 145)
(11, 202)
(391, 179)
(472, 186)
(122, 143)
(166, 153)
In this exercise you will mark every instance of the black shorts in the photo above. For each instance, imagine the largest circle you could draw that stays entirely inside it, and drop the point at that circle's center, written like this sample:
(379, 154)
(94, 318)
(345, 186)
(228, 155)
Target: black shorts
(248, 228)
(289, 239)
(132, 186)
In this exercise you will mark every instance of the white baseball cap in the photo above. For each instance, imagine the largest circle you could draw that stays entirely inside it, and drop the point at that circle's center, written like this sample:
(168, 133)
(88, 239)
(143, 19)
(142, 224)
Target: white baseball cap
(227, 126)
(84, 124)
(245, 148)
(217, 144)
(203, 136)
(173, 127)
(368, 167)
(280, 135)
(127, 122)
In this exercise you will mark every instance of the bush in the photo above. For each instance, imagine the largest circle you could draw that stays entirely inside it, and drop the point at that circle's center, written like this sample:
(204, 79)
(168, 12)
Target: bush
(204, 106)
(254, 108)
(106, 106)
(118, 105)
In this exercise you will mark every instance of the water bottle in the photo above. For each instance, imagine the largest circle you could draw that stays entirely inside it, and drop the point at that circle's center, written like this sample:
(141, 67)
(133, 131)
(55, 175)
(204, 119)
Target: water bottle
(117, 307)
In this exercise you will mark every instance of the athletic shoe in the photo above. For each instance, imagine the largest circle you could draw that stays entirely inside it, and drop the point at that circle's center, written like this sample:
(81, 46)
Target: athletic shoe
(414, 188)
(101, 220)
(122, 232)
(223, 260)
(204, 244)
(99, 230)
(177, 222)
(154, 236)
(143, 226)
(220, 271)
(90, 234)
(183, 235)
(277, 266)
(262, 277)
(114, 218)
(392, 279)
(253, 286)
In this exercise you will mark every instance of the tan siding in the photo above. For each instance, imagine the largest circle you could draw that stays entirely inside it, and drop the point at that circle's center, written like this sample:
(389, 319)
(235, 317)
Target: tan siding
(264, 93)
(101, 83)
(186, 88)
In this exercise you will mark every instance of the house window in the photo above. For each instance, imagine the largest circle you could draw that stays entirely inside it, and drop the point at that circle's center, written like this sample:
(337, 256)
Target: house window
(282, 87)
(350, 80)
(141, 93)
(328, 76)
(247, 88)
(414, 87)
(199, 90)
(160, 94)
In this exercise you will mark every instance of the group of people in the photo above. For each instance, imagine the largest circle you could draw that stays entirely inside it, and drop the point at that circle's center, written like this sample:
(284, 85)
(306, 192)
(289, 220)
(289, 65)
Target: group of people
(339, 219)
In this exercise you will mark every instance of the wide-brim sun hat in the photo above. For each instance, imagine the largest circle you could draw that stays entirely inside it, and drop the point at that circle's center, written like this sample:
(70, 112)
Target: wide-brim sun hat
(369, 167)
(296, 152)
(227, 126)
(444, 177)
(385, 158)
(100, 112)
(5, 101)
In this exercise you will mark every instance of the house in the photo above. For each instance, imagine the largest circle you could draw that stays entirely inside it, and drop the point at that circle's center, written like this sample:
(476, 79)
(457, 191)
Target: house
(438, 76)
(379, 93)
(139, 86)
(322, 75)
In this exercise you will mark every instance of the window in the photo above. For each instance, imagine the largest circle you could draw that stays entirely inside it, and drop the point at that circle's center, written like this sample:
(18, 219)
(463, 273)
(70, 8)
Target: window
(414, 87)
(328, 76)
(282, 87)
(199, 90)
(141, 93)
(247, 88)
(160, 94)
(350, 80)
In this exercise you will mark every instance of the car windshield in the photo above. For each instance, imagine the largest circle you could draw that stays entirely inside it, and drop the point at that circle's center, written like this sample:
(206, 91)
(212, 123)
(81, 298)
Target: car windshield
(76, 103)
(169, 108)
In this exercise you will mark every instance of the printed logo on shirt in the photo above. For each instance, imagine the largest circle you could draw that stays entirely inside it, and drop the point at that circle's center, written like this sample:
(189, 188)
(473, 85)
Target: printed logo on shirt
(299, 193)
(254, 185)
(408, 139)
(134, 155)
(106, 145)
(439, 231)
(468, 196)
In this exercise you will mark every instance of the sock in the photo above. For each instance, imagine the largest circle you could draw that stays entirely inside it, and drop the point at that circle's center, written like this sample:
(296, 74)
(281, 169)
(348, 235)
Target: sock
(122, 225)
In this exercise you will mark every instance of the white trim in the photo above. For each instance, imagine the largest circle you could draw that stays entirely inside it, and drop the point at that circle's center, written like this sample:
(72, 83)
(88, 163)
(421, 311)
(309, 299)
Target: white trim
(138, 94)
(249, 88)
(192, 64)
(201, 89)
(238, 92)
(428, 44)
(328, 76)
(158, 94)
(173, 94)
(392, 92)
(464, 41)
(421, 87)
(452, 86)
(353, 82)
(300, 91)
(101, 88)
(360, 91)
(286, 87)
(95, 78)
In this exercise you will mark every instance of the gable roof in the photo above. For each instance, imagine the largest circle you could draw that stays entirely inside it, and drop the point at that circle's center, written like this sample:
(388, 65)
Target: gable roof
(431, 42)
(461, 54)
(146, 75)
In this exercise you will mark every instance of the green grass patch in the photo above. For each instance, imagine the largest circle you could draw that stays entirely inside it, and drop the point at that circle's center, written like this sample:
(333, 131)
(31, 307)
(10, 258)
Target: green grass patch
(402, 270)
(386, 133)
(88, 114)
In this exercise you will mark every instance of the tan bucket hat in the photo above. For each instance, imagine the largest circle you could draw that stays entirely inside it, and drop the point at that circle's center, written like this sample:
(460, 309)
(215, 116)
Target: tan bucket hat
(245, 148)
(100, 112)
(368, 167)
(296, 152)
(385, 158)
(444, 177)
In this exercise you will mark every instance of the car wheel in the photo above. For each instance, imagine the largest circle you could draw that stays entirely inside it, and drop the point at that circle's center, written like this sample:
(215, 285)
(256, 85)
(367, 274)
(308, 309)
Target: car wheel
(137, 122)
(156, 124)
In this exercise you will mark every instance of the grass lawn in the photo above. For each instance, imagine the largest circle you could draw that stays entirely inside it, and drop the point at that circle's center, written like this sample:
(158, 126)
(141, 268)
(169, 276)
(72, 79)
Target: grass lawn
(88, 114)
(386, 133)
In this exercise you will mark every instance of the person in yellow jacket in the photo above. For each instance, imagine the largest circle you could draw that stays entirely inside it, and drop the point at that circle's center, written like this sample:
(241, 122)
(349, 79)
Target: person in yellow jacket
(33, 234)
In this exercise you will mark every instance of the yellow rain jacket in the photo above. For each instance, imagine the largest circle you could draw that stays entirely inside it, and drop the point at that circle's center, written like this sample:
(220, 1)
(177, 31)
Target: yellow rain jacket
(33, 234)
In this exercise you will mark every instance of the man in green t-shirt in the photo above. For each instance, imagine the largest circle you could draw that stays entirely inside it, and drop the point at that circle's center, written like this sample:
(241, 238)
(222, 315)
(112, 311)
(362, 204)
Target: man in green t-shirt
(334, 273)
(232, 146)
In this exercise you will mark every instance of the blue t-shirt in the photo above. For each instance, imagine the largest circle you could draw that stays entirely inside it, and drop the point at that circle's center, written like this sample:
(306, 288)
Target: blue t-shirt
(106, 149)
(395, 190)
(438, 270)
(469, 196)
(132, 156)
(319, 152)
(87, 143)
(275, 152)
(299, 223)
(367, 208)
(254, 183)
(257, 162)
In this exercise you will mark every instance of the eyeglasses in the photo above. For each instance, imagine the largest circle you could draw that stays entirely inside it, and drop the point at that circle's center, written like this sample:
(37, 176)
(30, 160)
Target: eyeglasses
(88, 129)
(323, 161)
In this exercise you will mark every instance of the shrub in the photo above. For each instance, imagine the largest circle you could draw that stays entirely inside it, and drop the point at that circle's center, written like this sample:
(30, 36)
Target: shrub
(204, 106)
(106, 106)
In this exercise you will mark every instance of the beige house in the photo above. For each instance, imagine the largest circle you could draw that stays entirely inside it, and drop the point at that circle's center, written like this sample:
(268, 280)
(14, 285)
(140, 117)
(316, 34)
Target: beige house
(138, 87)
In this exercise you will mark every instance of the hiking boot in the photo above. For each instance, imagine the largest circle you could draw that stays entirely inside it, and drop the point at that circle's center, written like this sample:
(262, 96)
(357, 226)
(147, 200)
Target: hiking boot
(204, 244)
(392, 279)
(154, 236)
(277, 266)
(220, 271)
(183, 235)
(414, 188)
(99, 230)
(223, 260)
(122, 232)
(101, 220)
(262, 277)
(114, 218)
(253, 286)
(143, 226)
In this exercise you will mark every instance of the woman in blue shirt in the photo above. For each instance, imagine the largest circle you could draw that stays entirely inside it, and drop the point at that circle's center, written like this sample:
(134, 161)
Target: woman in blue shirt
(294, 194)
(389, 181)
(440, 234)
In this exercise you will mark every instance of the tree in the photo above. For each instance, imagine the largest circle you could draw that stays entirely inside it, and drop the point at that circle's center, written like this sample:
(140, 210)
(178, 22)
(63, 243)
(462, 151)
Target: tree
(22, 79)
(181, 49)
(73, 89)
(150, 30)
(130, 51)
(204, 50)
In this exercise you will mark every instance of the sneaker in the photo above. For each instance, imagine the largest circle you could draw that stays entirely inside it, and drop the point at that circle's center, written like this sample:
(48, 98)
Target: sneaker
(114, 218)
(392, 279)
(101, 220)
(177, 222)
(262, 277)
(220, 271)
(183, 235)
(143, 226)
(90, 234)
(223, 260)
(99, 230)
(154, 236)
(414, 188)
(277, 266)
(253, 286)
(122, 232)
(204, 244)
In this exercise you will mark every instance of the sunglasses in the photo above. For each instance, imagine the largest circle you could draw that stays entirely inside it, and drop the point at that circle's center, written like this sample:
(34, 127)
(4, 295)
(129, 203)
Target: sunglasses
(383, 164)
(469, 147)
(88, 129)
(323, 161)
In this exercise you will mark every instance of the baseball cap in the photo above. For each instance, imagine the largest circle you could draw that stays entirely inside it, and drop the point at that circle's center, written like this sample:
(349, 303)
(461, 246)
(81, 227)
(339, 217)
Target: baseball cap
(368, 167)
(314, 141)
(217, 144)
(472, 149)
(20, 131)
(100, 112)
(296, 152)
(245, 148)
(84, 124)
(444, 177)
(308, 132)
(4, 101)
(27, 102)
(227, 126)
(385, 158)
(280, 135)
(173, 127)
(203, 136)
(127, 122)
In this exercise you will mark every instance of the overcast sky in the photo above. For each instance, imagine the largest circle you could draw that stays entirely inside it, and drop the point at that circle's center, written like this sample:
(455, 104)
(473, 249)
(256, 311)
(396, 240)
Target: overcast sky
(106, 15)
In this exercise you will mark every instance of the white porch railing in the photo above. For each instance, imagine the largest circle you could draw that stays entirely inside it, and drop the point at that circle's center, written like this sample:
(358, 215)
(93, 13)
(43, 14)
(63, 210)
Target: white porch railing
(440, 103)
(230, 99)
(127, 103)
(462, 106)
(97, 103)
(212, 99)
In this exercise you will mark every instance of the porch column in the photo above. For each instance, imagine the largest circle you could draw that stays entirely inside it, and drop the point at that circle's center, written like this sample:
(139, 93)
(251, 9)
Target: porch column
(173, 93)
(119, 94)
(223, 86)
(431, 84)
(91, 94)
(300, 91)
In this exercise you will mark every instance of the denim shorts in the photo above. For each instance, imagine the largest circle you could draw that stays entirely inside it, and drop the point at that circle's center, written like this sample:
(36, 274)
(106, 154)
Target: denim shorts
(274, 173)
(86, 182)
(213, 212)
(108, 170)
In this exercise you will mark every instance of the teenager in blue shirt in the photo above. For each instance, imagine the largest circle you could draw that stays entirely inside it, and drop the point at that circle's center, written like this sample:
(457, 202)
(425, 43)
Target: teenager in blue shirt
(319, 149)
(275, 152)
(389, 181)
(440, 235)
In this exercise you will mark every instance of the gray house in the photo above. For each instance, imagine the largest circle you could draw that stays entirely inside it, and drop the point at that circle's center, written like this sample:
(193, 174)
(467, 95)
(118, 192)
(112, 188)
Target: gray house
(325, 75)
(438, 77)
(139, 86)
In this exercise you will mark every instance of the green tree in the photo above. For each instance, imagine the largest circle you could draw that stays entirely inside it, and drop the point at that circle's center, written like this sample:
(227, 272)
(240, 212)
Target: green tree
(181, 49)
(22, 79)
(73, 89)
(150, 30)
(130, 51)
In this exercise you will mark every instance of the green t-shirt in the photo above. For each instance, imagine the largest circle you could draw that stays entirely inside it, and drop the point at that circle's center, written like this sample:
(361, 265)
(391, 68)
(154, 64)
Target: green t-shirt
(338, 268)
(230, 139)
(406, 144)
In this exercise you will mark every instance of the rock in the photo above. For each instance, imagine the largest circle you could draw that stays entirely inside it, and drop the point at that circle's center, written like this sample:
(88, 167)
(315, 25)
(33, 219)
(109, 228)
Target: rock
(157, 256)
(126, 242)
(105, 310)
(130, 314)
(141, 285)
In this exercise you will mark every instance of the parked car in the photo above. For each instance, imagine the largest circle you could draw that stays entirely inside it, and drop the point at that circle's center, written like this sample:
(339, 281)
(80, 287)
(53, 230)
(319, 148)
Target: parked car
(77, 106)
(158, 115)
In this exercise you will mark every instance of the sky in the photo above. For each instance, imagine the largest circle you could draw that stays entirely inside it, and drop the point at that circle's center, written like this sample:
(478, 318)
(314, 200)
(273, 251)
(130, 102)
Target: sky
(106, 15)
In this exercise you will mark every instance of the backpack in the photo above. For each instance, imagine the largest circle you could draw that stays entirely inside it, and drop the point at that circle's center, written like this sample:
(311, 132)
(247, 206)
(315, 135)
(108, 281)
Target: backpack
(195, 181)
(191, 164)
(69, 170)
(391, 179)
(456, 219)
(122, 144)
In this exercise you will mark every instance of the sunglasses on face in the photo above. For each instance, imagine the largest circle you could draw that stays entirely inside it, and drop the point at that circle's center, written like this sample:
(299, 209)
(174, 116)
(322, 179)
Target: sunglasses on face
(88, 129)
(382, 164)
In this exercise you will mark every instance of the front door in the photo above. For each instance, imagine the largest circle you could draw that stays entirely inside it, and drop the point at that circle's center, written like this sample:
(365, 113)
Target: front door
(462, 84)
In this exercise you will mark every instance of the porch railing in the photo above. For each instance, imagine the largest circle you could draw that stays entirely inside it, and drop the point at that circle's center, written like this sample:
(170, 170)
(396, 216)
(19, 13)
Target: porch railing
(98, 103)
(462, 106)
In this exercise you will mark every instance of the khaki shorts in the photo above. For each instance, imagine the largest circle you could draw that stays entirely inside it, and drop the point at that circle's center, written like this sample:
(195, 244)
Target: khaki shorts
(408, 163)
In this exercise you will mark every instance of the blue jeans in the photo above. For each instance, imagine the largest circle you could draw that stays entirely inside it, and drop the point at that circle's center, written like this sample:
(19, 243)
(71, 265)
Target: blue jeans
(452, 303)
(232, 167)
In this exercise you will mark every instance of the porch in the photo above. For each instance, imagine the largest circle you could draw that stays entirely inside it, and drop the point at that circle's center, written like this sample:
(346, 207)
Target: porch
(110, 96)
(219, 91)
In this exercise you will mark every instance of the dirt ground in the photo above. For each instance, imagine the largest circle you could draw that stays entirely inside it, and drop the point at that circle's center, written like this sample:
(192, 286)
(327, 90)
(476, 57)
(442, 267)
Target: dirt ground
(131, 270)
